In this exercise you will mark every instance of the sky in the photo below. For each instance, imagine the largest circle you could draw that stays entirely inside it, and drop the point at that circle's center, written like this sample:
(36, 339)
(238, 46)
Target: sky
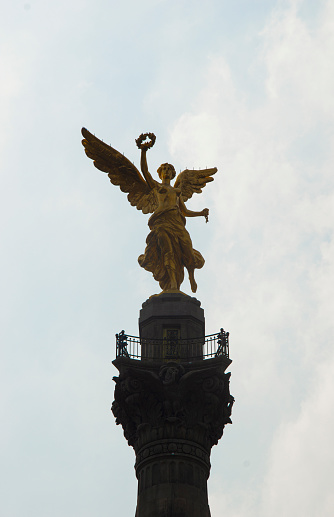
(246, 87)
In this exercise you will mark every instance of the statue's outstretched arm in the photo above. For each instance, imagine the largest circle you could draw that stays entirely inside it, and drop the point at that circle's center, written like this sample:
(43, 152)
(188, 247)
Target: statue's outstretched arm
(189, 213)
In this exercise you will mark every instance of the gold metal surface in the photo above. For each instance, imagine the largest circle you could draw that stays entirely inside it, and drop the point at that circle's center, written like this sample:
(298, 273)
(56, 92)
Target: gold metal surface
(168, 245)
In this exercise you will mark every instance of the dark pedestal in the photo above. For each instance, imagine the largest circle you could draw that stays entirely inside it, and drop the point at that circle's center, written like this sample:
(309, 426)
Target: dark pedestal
(172, 411)
(173, 325)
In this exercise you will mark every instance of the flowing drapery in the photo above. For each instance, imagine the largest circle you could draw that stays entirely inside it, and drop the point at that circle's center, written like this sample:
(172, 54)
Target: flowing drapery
(169, 248)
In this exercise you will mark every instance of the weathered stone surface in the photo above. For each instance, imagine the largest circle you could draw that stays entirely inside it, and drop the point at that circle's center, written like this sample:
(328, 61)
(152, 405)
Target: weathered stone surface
(193, 398)
(169, 313)
(172, 416)
(172, 412)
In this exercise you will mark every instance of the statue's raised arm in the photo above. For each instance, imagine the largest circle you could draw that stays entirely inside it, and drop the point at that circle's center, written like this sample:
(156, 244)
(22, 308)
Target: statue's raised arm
(144, 146)
(168, 246)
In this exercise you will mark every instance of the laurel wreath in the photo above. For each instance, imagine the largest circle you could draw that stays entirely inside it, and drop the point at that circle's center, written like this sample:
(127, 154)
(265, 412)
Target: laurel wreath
(146, 145)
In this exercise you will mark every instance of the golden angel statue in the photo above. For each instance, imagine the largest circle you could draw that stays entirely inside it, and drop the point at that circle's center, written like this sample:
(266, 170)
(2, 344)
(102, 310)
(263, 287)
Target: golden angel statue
(168, 246)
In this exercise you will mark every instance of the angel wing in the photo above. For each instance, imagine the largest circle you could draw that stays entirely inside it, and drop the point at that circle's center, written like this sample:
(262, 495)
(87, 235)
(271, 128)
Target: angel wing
(121, 172)
(193, 181)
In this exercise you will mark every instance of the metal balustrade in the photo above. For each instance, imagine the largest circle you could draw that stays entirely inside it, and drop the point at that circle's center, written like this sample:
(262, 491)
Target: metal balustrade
(207, 347)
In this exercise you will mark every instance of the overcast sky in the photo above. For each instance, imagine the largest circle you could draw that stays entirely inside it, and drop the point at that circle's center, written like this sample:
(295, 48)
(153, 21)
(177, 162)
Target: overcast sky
(245, 86)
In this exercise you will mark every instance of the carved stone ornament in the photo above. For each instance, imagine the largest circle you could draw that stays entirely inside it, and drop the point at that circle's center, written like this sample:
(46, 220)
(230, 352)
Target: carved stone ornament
(174, 401)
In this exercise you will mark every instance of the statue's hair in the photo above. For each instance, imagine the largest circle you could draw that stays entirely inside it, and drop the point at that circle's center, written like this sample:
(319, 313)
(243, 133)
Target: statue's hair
(166, 166)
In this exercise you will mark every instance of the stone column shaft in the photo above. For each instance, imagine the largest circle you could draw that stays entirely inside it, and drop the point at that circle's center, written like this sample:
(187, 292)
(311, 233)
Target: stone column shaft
(172, 412)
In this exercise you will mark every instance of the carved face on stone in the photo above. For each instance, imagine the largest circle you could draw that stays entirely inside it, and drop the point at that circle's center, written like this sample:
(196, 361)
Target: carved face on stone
(171, 373)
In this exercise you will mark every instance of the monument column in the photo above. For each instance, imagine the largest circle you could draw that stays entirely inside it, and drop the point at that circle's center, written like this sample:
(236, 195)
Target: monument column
(172, 394)
(173, 404)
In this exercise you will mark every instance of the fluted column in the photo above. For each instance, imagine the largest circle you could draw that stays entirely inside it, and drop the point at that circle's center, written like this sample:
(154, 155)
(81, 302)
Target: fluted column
(172, 415)
(172, 411)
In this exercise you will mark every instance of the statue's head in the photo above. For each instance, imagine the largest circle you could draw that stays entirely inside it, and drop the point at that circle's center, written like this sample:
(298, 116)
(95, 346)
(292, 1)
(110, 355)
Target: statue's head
(166, 167)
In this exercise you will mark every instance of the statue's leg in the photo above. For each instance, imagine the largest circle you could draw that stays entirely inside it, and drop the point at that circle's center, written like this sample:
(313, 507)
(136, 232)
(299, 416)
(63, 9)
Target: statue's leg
(193, 284)
(170, 268)
(167, 252)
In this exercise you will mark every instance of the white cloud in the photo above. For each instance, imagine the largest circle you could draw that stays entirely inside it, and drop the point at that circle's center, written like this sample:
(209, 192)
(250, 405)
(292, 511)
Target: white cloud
(301, 463)
(272, 210)
(71, 241)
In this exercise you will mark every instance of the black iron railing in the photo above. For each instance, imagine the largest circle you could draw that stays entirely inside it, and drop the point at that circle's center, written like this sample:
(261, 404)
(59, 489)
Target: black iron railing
(207, 347)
